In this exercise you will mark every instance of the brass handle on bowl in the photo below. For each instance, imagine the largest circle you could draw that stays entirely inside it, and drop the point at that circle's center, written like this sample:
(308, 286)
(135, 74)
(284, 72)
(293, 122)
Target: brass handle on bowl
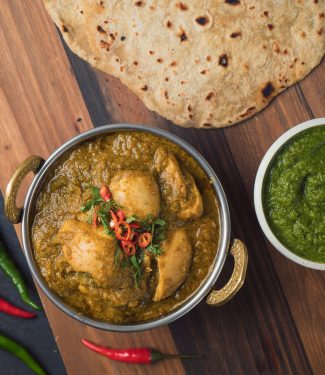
(219, 297)
(31, 164)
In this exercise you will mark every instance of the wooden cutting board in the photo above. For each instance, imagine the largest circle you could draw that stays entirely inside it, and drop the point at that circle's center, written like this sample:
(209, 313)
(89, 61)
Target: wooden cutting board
(276, 323)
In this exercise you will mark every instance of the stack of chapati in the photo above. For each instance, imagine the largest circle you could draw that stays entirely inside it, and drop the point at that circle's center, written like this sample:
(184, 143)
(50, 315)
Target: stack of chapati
(198, 63)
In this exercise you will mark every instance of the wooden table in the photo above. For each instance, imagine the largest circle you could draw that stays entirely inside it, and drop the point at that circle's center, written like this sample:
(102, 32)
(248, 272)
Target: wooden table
(277, 322)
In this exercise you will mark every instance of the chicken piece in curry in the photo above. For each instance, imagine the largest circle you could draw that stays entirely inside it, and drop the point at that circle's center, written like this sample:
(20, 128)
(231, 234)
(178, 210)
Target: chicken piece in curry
(126, 227)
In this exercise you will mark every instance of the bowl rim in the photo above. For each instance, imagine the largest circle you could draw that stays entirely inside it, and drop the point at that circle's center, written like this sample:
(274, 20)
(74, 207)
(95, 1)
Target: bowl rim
(258, 192)
(216, 267)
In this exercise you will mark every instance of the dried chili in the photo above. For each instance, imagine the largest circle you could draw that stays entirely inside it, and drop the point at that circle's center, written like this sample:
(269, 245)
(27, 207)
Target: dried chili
(20, 352)
(133, 355)
(10, 269)
(10, 309)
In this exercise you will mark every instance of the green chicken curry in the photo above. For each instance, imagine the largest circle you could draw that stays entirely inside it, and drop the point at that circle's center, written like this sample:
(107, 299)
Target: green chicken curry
(126, 227)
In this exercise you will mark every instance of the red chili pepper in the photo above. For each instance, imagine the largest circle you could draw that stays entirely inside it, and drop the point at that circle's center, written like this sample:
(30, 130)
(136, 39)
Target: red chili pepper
(134, 237)
(129, 248)
(114, 219)
(95, 216)
(122, 231)
(105, 193)
(120, 215)
(135, 225)
(10, 309)
(136, 355)
(145, 239)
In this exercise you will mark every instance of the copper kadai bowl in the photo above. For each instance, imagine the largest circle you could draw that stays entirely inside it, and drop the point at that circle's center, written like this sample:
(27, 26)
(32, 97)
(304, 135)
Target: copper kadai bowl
(25, 215)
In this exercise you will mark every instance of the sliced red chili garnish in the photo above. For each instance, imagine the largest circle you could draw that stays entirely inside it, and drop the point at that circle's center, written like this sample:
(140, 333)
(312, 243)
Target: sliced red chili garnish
(145, 239)
(123, 231)
(105, 193)
(135, 225)
(114, 219)
(120, 215)
(95, 216)
(134, 237)
(128, 247)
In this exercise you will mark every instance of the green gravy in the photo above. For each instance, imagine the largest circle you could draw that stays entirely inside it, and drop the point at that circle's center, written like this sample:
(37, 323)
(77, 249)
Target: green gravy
(294, 194)
(65, 190)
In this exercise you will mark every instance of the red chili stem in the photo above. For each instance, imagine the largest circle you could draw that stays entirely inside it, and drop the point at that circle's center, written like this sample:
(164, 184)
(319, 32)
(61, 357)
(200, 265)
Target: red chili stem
(133, 355)
(10, 309)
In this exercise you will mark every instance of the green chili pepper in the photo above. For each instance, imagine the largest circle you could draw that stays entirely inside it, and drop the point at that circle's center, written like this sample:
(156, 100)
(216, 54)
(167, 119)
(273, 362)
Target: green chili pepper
(14, 274)
(20, 352)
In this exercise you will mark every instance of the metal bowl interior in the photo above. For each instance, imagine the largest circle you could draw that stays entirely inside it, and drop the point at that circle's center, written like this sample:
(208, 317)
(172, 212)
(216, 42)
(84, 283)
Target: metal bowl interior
(223, 242)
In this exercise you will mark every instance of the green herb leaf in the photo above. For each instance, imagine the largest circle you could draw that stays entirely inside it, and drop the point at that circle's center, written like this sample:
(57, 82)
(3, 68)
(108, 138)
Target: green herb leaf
(96, 199)
(159, 222)
(131, 219)
(95, 193)
(90, 204)
(137, 269)
(105, 207)
(154, 249)
(118, 252)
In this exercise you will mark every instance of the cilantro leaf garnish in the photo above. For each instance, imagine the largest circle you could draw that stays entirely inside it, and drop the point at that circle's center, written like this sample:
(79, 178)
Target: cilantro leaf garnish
(117, 255)
(137, 269)
(96, 199)
(131, 219)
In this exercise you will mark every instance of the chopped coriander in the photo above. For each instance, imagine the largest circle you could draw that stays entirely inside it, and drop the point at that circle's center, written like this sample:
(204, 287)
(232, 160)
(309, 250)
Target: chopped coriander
(137, 269)
(118, 253)
(131, 219)
(159, 222)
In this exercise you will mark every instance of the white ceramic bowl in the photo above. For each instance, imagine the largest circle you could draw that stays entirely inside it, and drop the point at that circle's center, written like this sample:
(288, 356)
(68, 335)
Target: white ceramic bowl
(268, 157)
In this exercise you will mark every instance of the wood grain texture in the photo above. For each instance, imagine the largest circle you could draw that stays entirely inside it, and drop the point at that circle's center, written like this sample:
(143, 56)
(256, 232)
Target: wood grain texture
(41, 107)
(276, 324)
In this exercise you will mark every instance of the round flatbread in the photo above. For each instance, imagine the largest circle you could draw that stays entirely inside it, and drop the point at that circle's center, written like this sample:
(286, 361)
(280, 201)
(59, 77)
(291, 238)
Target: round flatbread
(69, 18)
(199, 63)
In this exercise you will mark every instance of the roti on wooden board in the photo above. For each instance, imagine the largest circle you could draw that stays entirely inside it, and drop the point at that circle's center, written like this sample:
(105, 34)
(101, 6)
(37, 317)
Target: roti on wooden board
(198, 63)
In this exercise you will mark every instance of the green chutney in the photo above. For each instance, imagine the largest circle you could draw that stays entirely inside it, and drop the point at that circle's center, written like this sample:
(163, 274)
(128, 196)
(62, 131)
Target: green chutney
(294, 194)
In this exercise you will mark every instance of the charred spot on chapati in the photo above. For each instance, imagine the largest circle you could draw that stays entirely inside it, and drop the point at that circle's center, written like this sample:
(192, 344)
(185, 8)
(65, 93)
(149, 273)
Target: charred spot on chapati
(267, 90)
(223, 60)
